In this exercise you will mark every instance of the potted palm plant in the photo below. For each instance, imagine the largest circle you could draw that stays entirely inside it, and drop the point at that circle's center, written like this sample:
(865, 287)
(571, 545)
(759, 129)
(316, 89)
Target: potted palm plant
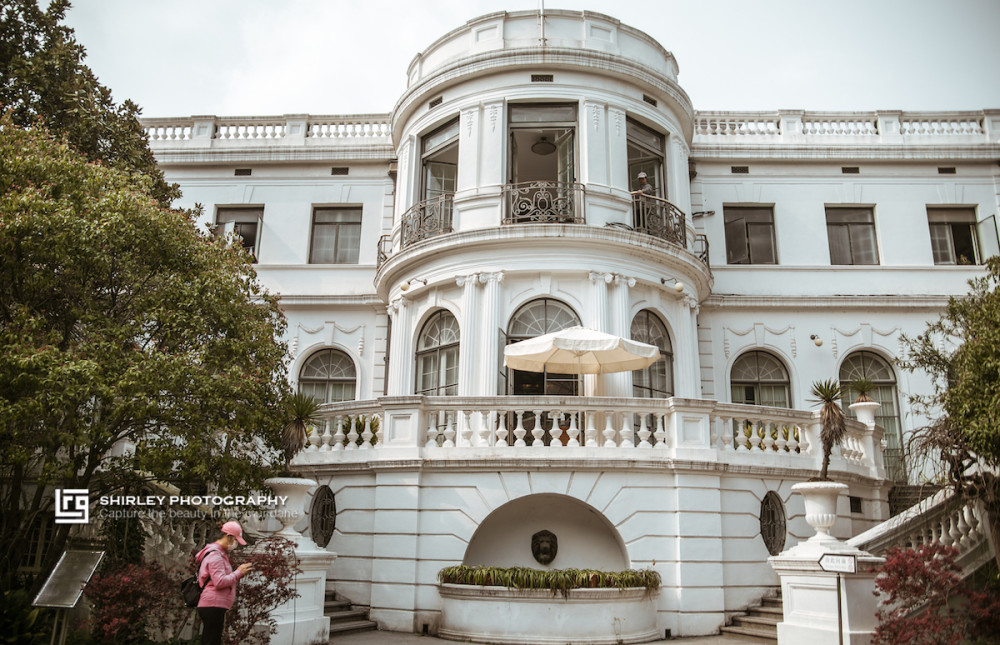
(302, 412)
(820, 493)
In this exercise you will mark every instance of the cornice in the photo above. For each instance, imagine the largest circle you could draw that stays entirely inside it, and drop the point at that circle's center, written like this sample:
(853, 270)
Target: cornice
(865, 151)
(273, 154)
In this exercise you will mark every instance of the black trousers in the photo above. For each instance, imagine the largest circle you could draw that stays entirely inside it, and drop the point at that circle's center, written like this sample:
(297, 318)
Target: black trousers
(213, 618)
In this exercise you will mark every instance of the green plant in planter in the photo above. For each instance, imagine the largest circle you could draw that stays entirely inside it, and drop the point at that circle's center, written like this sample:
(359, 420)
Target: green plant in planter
(554, 580)
(359, 427)
(833, 421)
(863, 387)
(302, 411)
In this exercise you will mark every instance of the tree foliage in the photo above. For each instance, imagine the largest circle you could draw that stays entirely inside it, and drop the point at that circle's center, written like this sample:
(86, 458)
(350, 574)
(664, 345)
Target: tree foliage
(961, 353)
(131, 346)
(44, 82)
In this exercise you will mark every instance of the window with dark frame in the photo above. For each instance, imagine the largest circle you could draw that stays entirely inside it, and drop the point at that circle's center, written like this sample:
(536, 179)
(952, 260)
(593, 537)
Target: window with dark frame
(851, 234)
(437, 356)
(655, 381)
(645, 154)
(750, 235)
(329, 376)
(759, 378)
(242, 222)
(336, 235)
(953, 235)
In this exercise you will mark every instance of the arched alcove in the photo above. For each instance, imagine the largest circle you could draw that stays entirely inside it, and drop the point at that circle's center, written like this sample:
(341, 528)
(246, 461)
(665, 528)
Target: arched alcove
(586, 539)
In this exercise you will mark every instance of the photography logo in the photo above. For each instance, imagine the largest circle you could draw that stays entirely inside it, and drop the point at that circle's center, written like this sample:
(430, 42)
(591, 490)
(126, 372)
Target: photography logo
(72, 506)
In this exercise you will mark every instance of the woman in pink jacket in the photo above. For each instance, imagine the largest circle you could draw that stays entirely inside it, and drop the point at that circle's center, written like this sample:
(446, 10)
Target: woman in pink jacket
(218, 581)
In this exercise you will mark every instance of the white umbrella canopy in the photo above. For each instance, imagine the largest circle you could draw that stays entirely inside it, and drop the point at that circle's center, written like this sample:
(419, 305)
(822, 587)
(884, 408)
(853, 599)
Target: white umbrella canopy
(578, 350)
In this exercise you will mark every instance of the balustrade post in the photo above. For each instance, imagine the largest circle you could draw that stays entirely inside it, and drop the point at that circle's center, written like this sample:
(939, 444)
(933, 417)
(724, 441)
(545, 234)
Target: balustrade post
(538, 432)
(591, 432)
(449, 430)
(501, 431)
(661, 433)
(519, 430)
(609, 430)
(352, 432)
(573, 432)
(644, 432)
(627, 431)
(432, 430)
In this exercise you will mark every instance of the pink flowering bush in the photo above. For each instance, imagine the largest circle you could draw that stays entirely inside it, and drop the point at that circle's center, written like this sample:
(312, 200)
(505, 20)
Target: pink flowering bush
(925, 601)
(133, 602)
(267, 586)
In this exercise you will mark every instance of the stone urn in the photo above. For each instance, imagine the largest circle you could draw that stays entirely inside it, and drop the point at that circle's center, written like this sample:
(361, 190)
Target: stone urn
(865, 411)
(821, 506)
(294, 490)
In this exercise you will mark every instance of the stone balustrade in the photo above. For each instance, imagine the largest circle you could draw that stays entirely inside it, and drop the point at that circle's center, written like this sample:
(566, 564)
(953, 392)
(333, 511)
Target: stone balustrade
(944, 518)
(792, 126)
(288, 129)
(604, 427)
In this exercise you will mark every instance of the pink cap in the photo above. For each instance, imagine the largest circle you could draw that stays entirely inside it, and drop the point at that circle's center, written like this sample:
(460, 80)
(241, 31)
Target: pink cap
(234, 529)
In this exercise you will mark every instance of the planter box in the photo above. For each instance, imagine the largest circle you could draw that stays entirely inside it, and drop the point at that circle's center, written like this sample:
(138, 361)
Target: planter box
(536, 617)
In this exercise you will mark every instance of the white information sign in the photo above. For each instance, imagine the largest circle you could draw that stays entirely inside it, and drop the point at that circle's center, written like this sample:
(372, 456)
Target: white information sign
(836, 563)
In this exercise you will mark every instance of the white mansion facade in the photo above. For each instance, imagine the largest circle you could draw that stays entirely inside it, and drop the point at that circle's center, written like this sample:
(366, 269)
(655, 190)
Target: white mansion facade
(495, 203)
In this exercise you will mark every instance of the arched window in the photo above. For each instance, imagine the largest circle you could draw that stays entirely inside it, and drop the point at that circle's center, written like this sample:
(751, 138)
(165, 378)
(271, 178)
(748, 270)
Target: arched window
(328, 376)
(758, 378)
(657, 380)
(869, 365)
(437, 356)
(535, 318)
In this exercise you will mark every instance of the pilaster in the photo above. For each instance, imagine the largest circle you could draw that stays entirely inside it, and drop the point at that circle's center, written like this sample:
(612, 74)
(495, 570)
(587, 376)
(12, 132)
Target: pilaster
(468, 348)
(489, 317)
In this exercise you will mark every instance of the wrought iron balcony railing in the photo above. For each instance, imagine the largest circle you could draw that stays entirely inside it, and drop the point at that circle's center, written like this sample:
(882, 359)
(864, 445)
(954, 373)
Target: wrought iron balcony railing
(383, 251)
(701, 248)
(544, 202)
(659, 218)
(427, 218)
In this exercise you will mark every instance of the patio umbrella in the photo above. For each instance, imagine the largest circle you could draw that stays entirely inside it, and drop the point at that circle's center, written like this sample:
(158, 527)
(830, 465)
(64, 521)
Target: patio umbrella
(578, 350)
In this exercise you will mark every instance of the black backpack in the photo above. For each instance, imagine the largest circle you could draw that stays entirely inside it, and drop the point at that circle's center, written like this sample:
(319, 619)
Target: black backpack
(191, 591)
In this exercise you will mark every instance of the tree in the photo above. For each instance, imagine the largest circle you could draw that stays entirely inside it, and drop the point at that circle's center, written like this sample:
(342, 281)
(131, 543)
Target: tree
(132, 348)
(302, 411)
(833, 422)
(961, 353)
(43, 81)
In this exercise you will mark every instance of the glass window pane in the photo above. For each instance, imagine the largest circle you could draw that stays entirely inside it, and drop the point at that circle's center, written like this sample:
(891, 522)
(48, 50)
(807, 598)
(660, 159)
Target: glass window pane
(840, 244)
(348, 244)
(863, 244)
(761, 243)
(941, 244)
(542, 113)
(964, 236)
(446, 133)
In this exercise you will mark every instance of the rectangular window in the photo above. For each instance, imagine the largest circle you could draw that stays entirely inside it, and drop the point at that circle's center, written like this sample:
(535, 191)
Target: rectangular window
(953, 235)
(851, 233)
(242, 222)
(336, 236)
(750, 235)
(645, 156)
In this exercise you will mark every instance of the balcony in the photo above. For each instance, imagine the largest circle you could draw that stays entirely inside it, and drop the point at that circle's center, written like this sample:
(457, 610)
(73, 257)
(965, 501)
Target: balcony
(519, 428)
(659, 218)
(426, 219)
(544, 202)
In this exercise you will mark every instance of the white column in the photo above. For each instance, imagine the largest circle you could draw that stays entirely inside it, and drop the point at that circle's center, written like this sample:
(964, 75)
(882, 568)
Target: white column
(468, 353)
(620, 324)
(595, 385)
(488, 343)
(400, 349)
(687, 370)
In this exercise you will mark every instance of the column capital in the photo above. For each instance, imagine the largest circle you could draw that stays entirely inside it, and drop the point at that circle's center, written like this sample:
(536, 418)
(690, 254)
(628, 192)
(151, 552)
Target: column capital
(624, 279)
(601, 277)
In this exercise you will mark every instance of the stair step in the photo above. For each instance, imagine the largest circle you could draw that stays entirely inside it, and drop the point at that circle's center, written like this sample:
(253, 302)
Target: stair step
(352, 626)
(347, 615)
(762, 623)
(768, 610)
(745, 632)
(335, 605)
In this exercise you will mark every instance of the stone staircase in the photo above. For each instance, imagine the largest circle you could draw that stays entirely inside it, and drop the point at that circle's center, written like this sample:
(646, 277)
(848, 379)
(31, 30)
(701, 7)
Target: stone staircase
(345, 618)
(760, 623)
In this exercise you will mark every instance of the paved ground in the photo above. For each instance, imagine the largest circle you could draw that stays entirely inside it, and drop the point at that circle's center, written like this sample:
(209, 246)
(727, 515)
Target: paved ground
(398, 638)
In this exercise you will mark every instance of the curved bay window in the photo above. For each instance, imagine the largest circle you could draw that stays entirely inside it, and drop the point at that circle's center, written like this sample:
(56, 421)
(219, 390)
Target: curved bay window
(328, 376)
(437, 356)
(758, 378)
(432, 215)
(865, 364)
(535, 318)
(542, 173)
(657, 380)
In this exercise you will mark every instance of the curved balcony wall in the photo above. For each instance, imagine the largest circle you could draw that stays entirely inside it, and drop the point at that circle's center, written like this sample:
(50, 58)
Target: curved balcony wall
(521, 118)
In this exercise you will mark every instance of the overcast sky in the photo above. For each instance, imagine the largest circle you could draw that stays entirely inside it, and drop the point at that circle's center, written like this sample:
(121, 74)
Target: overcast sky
(271, 57)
